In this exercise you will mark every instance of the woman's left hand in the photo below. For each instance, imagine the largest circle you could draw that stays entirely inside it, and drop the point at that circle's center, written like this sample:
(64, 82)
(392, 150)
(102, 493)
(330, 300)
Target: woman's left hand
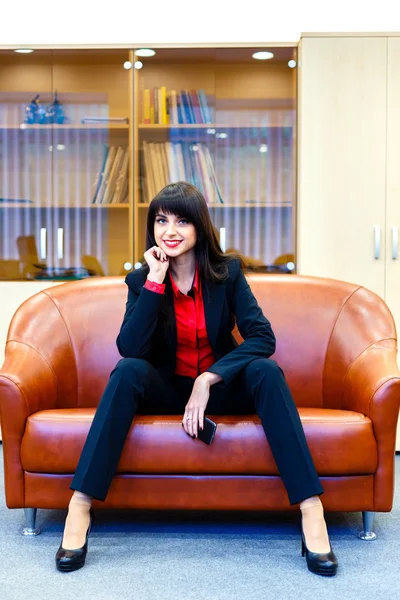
(194, 411)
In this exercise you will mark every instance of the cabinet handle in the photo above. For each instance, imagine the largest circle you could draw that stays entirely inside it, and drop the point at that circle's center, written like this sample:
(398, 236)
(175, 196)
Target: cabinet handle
(377, 242)
(43, 243)
(222, 238)
(395, 243)
(60, 242)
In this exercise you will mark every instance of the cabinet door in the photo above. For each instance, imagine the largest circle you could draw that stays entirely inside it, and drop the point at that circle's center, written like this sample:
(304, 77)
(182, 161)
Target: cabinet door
(25, 164)
(392, 292)
(65, 197)
(255, 141)
(342, 159)
(92, 202)
(392, 283)
(229, 129)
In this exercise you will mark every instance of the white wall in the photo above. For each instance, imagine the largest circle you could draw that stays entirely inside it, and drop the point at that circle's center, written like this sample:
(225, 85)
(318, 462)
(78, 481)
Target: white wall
(179, 21)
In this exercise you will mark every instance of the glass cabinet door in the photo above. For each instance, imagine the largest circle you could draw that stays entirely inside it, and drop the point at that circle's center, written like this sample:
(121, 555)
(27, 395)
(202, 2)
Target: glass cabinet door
(225, 122)
(25, 164)
(91, 162)
(65, 207)
(255, 123)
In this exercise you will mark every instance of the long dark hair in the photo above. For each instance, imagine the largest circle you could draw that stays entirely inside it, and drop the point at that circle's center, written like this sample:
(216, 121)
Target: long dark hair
(185, 200)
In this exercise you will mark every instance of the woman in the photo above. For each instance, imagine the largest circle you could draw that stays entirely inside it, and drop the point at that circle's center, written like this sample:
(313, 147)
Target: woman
(175, 363)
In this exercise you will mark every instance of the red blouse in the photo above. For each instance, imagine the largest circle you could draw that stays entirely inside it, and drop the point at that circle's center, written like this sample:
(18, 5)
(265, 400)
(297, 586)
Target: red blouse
(193, 354)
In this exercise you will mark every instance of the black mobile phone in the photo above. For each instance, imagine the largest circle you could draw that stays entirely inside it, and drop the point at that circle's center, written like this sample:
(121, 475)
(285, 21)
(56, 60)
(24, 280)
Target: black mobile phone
(207, 434)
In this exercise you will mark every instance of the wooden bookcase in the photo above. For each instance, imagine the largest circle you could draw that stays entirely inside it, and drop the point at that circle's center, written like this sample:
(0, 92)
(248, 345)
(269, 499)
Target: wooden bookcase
(251, 141)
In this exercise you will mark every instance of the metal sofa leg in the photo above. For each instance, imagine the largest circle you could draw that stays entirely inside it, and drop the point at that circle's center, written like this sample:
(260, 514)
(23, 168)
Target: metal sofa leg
(368, 520)
(30, 520)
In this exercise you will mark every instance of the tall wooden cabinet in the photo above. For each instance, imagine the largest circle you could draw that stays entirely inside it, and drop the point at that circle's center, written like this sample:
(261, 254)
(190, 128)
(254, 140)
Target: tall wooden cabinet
(348, 169)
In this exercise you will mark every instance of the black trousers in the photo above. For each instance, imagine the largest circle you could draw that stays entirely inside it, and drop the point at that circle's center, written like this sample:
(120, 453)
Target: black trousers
(135, 387)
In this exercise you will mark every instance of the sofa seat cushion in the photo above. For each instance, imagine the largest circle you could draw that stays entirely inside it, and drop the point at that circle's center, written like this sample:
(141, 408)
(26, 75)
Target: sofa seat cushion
(341, 443)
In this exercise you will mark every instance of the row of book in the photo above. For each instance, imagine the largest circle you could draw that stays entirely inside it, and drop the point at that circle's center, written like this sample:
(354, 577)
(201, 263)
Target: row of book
(166, 162)
(169, 107)
(112, 181)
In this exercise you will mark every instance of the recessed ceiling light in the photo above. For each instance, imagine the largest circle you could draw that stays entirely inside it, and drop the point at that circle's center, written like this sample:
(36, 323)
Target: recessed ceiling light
(145, 52)
(127, 65)
(138, 64)
(23, 50)
(263, 55)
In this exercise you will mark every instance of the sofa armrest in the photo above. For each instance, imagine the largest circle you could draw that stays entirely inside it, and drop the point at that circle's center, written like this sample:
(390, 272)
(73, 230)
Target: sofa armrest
(372, 387)
(27, 385)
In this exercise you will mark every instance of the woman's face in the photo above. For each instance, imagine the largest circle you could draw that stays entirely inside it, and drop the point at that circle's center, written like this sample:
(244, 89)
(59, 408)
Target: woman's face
(175, 235)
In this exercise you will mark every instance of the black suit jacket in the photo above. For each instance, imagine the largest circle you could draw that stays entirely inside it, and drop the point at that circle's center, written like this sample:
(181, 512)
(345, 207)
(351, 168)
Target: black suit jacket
(143, 334)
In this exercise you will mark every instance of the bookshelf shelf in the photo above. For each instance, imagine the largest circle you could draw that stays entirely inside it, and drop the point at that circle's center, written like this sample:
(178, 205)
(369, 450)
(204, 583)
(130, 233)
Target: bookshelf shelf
(209, 126)
(240, 205)
(180, 126)
(70, 127)
(63, 206)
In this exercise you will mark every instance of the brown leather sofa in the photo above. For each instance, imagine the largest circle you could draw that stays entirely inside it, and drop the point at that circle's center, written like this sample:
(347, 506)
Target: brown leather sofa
(336, 343)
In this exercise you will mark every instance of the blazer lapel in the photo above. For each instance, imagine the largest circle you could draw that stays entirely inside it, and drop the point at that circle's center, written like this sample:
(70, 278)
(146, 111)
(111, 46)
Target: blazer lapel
(213, 298)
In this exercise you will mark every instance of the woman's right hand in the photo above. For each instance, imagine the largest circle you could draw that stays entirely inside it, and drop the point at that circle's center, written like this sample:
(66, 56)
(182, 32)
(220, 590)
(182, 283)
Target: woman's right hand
(158, 263)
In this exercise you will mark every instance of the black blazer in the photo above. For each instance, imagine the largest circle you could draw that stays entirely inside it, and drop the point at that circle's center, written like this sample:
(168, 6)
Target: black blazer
(143, 335)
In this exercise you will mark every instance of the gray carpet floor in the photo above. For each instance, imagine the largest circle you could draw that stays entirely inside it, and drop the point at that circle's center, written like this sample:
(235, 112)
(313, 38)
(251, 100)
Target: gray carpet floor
(197, 556)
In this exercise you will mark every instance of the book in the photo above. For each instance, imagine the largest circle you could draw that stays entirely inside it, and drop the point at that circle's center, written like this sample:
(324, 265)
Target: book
(196, 107)
(146, 107)
(211, 170)
(117, 197)
(192, 115)
(100, 175)
(148, 174)
(152, 106)
(168, 108)
(114, 171)
(204, 106)
(173, 108)
(156, 106)
(180, 110)
(106, 174)
(187, 115)
(163, 105)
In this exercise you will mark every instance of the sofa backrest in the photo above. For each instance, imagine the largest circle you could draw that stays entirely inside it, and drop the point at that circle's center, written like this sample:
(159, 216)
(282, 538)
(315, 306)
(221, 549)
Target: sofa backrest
(321, 326)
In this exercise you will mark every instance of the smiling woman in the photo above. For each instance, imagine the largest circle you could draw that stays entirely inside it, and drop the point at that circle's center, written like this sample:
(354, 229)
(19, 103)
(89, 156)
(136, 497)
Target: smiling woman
(179, 357)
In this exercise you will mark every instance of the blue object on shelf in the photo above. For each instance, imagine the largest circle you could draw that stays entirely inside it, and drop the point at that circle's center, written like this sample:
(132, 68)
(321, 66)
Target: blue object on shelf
(31, 110)
(55, 112)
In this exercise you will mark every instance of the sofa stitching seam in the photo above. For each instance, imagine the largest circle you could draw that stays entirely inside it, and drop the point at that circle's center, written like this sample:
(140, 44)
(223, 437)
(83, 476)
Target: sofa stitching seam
(331, 335)
(70, 341)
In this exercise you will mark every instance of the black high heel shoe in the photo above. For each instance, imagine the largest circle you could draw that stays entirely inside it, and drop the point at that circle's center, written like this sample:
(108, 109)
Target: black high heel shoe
(320, 564)
(71, 560)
